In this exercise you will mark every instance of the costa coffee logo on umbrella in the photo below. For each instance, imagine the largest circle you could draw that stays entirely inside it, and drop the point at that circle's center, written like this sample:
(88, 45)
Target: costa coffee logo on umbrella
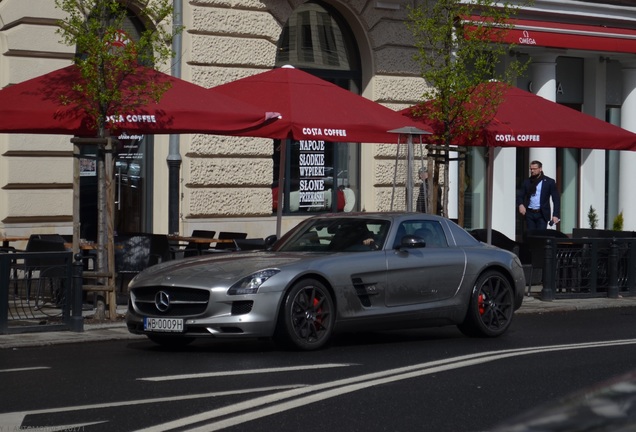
(516, 138)
(131, 118)
(328, 132)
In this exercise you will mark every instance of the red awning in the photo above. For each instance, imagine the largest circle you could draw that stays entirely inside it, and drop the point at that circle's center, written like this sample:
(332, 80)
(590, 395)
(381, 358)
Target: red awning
(569, 36)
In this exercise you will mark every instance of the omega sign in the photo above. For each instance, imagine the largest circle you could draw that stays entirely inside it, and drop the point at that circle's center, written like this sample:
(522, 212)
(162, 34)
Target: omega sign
(526, 39)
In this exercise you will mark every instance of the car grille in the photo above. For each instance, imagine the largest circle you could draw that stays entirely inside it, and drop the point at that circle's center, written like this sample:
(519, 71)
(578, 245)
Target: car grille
(182, 301)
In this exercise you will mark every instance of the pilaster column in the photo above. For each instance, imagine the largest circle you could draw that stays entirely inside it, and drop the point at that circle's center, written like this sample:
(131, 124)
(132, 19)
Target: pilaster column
(627, 174)
(592, 165)
(504, 191)
(543, 74)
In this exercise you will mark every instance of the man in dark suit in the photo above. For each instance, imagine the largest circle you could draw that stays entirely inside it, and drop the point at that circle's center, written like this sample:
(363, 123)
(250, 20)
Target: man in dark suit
(533, 199)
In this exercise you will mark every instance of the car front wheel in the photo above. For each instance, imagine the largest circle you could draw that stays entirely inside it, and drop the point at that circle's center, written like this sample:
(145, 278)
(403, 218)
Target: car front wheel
(491, 307)
(307, 316)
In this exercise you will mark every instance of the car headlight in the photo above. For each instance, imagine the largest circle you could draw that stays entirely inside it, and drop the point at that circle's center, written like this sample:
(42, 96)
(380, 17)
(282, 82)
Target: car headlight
(251, 283)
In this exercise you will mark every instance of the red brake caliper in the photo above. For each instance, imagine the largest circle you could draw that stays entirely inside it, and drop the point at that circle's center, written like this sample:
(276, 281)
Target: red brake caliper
(480, 303)
(317, 311)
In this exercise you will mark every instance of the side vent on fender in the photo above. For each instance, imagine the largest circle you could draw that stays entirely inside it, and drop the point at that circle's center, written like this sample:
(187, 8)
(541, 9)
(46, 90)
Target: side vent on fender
(364, 291)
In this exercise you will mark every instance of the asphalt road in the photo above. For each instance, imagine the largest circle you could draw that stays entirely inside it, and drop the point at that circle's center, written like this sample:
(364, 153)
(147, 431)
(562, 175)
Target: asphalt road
(419, 380)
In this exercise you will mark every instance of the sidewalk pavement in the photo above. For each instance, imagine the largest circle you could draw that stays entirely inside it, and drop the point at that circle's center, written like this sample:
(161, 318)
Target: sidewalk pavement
(117, 330)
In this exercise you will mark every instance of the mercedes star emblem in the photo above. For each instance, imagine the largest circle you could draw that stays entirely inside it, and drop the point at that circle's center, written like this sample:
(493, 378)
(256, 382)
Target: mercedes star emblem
(162, 301)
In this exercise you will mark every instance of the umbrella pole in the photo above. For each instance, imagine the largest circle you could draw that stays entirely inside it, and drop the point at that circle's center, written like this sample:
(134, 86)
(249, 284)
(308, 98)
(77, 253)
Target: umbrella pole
(281, 185)
(76, 198)
(490, 175)
(409, 174)
(397, 160)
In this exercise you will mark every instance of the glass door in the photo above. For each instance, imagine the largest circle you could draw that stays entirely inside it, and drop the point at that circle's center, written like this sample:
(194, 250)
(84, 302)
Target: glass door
(131, 183)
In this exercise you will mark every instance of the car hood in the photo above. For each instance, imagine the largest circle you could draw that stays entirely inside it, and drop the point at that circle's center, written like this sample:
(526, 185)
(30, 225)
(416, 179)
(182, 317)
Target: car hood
(210, 270)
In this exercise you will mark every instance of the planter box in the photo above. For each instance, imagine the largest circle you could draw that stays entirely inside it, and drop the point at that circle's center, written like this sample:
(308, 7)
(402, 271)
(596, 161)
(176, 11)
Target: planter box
(601, 233)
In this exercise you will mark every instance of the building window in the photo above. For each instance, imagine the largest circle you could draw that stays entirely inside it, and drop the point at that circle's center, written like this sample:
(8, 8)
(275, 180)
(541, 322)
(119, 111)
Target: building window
(319, 176)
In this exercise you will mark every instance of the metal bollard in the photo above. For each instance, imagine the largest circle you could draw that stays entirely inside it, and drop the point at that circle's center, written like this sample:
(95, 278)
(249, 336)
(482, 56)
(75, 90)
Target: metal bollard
(612, 287)
(77, 319)
(4, 294)
(547, 293)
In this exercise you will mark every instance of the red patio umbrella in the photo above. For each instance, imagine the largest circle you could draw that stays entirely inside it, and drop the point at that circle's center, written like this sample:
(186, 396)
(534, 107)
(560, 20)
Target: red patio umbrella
(524, 119)
(312, 108)
(35, 106)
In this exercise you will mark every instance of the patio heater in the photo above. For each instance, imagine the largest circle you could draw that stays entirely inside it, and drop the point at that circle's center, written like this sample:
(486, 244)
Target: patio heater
(410, 132)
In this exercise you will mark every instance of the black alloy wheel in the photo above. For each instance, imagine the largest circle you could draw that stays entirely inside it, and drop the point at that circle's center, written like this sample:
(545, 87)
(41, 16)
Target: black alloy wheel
(307, 316)
(491, 306)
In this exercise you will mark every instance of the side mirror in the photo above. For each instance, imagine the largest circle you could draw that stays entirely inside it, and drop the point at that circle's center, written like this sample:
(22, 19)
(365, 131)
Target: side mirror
(270, 240)
(411, 241)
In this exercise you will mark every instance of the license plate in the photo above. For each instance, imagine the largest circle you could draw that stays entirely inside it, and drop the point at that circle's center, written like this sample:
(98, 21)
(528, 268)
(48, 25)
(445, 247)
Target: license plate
(163, 325)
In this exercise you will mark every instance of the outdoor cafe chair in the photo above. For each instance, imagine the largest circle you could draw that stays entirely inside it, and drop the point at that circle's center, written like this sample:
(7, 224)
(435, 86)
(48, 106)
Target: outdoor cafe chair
(47, 274)
(132, 255)
(250, 244)
(138, 251)
(160, 249)
(229, 235)
(193, 248)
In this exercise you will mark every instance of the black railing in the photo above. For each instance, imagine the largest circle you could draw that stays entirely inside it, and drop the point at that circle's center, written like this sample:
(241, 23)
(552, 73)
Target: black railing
(40, 291)
(589, 268)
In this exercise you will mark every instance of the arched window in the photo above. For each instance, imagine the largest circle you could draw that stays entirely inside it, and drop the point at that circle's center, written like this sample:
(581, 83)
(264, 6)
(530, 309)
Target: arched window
(318, 40)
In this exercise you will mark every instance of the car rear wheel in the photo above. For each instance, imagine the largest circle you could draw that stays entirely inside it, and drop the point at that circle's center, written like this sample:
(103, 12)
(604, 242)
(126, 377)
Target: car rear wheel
(307, 316)
(491, 307)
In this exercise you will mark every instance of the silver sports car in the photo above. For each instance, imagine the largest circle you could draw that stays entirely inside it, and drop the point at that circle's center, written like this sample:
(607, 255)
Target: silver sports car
(333, 273)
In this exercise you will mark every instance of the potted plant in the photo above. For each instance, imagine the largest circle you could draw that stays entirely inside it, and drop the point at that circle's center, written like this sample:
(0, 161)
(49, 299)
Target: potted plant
(618, 222)
(592, 218)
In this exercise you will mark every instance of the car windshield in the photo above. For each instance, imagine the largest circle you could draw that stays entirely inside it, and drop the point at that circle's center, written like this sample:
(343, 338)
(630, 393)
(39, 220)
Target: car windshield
(338, 235)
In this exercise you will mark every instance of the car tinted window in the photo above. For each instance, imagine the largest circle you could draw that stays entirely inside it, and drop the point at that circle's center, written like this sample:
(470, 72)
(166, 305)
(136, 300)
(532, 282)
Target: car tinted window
(338, 235)
(430, 231)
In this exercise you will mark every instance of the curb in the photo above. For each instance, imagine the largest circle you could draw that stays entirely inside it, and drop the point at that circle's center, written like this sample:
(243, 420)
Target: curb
(108, 331)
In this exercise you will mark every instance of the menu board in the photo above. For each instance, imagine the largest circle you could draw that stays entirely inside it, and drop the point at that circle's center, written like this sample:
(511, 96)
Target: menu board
(311, 163)
(130, 146)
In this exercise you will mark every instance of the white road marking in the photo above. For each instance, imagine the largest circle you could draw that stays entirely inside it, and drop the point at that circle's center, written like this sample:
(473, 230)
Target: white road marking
(294, 396)
(24, 369)
(14, 420)
(245, 411)
(245, 372)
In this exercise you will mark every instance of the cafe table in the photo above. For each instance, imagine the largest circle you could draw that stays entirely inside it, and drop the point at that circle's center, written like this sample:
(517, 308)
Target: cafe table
(200, 241)
(6, 240)
(180, 238)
